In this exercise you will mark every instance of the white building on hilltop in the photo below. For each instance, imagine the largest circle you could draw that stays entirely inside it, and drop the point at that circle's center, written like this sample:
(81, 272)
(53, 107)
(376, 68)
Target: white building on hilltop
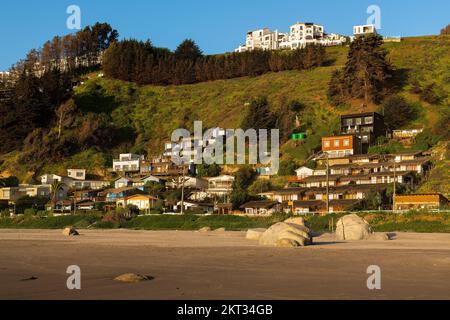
(263, 39)
(364, 30)
(300, 35)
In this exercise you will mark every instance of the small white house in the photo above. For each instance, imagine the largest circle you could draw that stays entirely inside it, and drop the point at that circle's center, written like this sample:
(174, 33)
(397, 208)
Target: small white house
(143, 181)
(122, 183)
(50, 178)
(77, 174)
(364, 30)
(220, 186)
(304, 172)
(141, 201)
(127, 162)
(194, 206)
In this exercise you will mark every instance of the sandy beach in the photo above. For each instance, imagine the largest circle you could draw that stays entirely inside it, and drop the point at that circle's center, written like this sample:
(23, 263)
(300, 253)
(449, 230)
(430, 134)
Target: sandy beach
(193, 265)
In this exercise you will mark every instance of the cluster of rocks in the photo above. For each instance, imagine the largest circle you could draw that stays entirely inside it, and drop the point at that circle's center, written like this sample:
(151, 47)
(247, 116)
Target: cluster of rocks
(296, 232)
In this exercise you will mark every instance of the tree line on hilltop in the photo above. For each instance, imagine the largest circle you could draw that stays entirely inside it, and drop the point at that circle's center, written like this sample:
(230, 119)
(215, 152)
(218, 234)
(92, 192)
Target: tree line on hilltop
(38, 113)
(141, 62)
(72, 53)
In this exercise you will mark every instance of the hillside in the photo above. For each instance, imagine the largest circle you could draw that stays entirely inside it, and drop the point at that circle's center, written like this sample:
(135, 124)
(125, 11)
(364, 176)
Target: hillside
(151, 113)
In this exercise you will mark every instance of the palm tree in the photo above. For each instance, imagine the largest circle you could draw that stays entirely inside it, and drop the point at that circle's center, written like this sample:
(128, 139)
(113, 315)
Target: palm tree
(56, 187)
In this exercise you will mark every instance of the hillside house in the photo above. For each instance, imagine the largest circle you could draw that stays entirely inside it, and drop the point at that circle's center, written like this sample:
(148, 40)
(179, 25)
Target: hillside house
(141, 182)
(282, 195)
(41, 191)
(77, 174)
(127, 162)
(205, 207)
(367, 126)
(143, 202)
(10, 194)
(318, 206)
(51, 178)
(112, 195)
(85, 205)
(407, 136)
(123, 182)
(220, 186)
(260, 208)
(363, 30)
(304, 172)
(420, 201)
(341, 146)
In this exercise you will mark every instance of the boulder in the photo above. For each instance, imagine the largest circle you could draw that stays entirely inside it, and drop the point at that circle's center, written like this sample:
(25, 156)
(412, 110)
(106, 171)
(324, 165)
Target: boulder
(255, 234)
(220, 230)
(205, 229)
(70, 232)
(353, 227)
(132, 278)
(283, 234)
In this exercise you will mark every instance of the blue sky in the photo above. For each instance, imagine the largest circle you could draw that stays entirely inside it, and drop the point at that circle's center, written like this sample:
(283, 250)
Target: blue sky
(216, 25)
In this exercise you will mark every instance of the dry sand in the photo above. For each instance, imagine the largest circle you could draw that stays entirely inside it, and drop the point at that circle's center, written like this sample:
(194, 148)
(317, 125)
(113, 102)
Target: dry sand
(192, 265)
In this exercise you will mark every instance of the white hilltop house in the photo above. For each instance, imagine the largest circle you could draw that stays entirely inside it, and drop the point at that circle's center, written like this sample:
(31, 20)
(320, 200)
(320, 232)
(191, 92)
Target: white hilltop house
(364, 30)
(300, 35)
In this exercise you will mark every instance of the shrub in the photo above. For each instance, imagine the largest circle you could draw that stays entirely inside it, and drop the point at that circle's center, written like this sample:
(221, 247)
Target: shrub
(4, 213)
(117, 216)
(29, 212)
(425, 140)
(398, 112)
(431, 94)
(106, 225)
(287, 168)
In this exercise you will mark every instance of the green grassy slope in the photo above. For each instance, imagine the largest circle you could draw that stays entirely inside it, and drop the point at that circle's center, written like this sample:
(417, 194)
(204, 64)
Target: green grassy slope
(154, 112)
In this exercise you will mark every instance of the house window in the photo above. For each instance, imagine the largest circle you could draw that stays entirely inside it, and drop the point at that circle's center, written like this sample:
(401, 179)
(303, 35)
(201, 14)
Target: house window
(346, 143)
(368, 120)
(79, 174)
(348, 122)
(358, 121)
(336, 143)
(327, 144)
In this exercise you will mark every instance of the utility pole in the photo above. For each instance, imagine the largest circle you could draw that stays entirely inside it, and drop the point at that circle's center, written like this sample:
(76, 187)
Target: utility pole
(395, 187)
(182, 191)
(75, 200)
(328, 183)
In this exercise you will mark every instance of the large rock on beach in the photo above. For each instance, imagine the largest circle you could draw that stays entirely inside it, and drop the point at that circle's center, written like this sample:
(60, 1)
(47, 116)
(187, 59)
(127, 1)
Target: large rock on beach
(291, 233)
(353, 227)
(132, 278)
(70, 232)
